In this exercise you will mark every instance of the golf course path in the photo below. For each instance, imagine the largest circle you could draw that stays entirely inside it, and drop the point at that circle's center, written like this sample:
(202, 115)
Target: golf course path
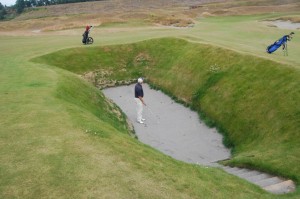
(170, 127)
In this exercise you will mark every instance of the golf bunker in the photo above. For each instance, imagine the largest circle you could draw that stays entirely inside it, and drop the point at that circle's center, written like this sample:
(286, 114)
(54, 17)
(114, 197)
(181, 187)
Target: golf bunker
(170, 127)
(177, 131)
(285, 24)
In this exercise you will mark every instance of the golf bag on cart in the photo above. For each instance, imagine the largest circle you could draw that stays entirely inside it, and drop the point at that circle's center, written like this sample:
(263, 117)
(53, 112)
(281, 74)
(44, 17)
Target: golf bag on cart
(85, 37)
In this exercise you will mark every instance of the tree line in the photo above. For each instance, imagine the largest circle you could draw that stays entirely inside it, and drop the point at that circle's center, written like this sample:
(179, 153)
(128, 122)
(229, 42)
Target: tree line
(21, 5)
(3, 11)
(36, 3)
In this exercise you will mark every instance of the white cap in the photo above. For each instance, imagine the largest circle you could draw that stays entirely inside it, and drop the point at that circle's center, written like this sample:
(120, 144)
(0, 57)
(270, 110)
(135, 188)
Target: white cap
(140, 80)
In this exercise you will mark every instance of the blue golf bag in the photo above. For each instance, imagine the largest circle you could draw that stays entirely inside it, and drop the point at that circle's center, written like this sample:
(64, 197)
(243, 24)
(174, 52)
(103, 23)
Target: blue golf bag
(281, 42)
(272, 48)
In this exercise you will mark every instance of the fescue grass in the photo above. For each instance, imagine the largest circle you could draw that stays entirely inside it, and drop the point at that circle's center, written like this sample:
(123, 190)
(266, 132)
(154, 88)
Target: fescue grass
(59, 138)
(252, 100)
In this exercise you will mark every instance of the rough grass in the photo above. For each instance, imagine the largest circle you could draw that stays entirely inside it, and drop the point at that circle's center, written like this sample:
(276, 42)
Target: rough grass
(252, 100)
(165, 12)
(59, 138)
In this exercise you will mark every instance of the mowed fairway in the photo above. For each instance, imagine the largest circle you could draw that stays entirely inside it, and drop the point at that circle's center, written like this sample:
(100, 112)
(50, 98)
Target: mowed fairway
(60, 138)
(47, 153)
(249, 34)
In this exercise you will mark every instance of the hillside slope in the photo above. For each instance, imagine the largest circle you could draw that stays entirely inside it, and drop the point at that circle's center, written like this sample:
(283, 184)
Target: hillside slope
(59, 138)
(251, 100)
(162, 12)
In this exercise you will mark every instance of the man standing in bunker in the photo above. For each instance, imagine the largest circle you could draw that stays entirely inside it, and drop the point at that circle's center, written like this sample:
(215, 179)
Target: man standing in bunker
(139, 94)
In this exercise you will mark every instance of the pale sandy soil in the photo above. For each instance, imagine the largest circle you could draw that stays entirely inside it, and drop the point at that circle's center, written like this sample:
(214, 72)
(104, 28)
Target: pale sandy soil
(170, 127)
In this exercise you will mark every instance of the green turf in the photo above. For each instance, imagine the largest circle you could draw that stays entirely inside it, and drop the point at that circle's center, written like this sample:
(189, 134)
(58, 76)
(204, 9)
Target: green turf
(251, 100)
(234, 32)
(59, 138)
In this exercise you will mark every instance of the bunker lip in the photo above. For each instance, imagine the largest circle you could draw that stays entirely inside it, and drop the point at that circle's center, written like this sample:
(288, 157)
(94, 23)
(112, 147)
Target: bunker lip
(170, 127)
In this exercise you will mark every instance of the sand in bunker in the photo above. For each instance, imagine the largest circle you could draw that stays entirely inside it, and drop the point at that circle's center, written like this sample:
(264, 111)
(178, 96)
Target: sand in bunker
(170, 127)
(285, 25)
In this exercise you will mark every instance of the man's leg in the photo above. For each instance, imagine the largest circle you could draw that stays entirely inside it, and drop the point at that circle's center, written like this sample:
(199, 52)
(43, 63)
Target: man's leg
(139, 109)
(86, 37)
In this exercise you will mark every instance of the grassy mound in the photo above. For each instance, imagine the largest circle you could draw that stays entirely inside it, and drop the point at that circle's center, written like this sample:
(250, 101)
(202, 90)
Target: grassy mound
(254, 102)
(59, 138)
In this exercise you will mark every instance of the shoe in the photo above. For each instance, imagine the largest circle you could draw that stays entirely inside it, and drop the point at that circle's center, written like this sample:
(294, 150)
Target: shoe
(143, 119)
(141, 122)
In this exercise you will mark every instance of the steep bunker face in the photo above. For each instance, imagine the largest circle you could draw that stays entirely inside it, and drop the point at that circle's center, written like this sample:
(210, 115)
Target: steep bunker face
(253, 102)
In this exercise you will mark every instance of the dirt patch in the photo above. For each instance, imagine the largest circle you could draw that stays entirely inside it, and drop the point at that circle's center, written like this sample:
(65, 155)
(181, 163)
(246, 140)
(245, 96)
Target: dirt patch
(293, 19)
(101, 78)
(222, 12)
(175, 22)
(207, 14)
(142, 59)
